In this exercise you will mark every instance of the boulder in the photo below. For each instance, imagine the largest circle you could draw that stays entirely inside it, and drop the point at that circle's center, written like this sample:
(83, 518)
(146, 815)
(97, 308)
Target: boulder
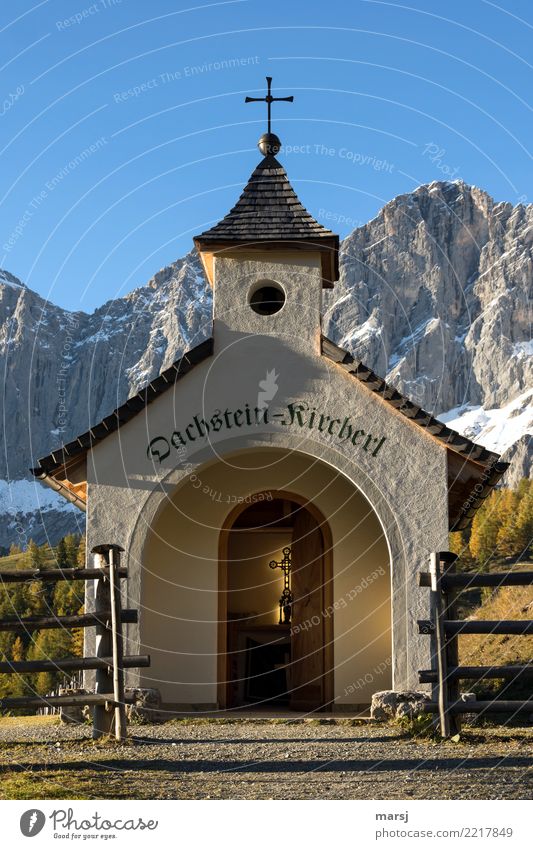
(73, 714)
(145, 706)
(394, 704)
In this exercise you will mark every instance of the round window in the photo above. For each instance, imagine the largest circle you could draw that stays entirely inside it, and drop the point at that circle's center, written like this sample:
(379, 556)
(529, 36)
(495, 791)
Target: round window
(267, 299)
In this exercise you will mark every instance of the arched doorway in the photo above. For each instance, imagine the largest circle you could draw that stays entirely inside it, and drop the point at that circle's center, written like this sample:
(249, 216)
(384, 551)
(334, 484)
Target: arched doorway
(182, 583)
(275, 650)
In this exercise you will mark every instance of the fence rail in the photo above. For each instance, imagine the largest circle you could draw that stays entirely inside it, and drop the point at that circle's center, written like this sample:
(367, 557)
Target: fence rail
(477, 673)
(445, 628)
(73, 700)
(25, 575)
(80, 620)
(470, 579)
(109, 701)
(70, 664)
(490, 706)
(454, 627)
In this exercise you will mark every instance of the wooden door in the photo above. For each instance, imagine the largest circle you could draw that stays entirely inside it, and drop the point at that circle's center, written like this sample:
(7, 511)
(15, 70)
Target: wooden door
(308, 669)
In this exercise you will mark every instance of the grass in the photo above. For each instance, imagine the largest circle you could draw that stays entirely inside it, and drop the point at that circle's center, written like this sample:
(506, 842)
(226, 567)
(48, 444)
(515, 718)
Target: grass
(28, 721)
(11, 562)
(498, 650)
(48, 785)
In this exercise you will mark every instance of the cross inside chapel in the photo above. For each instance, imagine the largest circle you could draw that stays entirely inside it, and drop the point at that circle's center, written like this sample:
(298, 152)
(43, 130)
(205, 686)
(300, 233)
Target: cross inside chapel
(286, 598)
(269, 100)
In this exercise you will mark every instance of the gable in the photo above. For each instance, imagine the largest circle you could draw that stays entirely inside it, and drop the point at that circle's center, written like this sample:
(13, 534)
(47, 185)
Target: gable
(472, 470)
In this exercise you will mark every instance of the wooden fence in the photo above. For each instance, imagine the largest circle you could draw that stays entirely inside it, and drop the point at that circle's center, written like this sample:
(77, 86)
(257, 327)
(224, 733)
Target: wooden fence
(108, 700)
(445, 628)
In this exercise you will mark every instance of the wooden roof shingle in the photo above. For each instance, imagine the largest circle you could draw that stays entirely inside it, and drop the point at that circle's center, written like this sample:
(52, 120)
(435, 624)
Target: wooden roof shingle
(267, 210)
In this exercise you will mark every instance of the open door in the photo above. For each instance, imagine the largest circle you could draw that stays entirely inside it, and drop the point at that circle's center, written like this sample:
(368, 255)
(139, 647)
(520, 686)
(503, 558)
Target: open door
(308, 666)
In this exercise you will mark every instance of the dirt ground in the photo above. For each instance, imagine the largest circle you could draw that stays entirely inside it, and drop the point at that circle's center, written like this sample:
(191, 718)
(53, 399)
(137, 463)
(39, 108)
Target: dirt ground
(312, 759)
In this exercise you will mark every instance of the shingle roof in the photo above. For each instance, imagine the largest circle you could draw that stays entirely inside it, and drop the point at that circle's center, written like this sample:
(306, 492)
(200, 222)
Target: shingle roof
(408, 408)
(485, 467)
(126, 411)
(267, 210)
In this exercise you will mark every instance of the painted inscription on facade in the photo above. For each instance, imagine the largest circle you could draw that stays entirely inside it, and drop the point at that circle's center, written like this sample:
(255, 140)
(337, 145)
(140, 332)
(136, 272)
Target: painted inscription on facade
(296, 415)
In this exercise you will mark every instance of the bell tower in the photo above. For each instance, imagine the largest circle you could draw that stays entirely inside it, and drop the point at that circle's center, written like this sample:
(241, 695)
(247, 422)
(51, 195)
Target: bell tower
(268, 259)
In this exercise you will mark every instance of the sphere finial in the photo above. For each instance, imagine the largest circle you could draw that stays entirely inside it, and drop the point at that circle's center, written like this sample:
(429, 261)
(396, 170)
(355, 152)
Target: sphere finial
(269, 144)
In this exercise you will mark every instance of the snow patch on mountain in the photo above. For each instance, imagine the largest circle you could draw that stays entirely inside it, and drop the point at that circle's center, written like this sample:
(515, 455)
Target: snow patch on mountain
(29, 510)
(20, 497)
(497, 428)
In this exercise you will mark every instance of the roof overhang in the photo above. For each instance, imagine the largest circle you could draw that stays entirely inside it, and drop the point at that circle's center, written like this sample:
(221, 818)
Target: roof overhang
(473, 471)
(469, 484)
(69, 480)
(65, 469)
(326, 246)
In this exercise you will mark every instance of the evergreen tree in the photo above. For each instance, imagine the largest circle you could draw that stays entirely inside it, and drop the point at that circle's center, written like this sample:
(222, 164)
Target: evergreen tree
(36, 559)
(524, 486)
(72, 542)
(10, 685)
(61, 554)
(49, 645)
(68, 597)
(78, 637)
(35, 597)
(81, 556)
(69, 600)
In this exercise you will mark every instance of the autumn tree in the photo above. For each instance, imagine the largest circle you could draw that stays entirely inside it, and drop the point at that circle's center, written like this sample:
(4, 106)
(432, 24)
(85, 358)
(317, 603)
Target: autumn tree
(524, 524)
(459, 545)
(35, 555)
(17, 651)
(81, 556)
(506, 538)
(485, 527)
(50, 644)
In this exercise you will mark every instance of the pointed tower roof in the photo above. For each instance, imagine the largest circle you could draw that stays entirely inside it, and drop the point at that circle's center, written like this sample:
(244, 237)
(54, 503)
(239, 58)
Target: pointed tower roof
(267, 209)
(269, 214)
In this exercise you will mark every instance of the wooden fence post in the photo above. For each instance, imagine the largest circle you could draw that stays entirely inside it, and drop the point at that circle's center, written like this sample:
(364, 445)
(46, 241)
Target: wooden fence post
(102, 714)
(109, 663)
(450, 594)
(118, 643)
(440, 638)
(445, 628)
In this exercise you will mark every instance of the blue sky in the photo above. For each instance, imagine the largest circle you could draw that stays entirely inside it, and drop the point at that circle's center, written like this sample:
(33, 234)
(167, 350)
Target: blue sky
(125, 132)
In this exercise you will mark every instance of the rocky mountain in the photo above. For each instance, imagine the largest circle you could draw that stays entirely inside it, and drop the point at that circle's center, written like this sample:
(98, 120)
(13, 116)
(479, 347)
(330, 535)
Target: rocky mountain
(434, 294)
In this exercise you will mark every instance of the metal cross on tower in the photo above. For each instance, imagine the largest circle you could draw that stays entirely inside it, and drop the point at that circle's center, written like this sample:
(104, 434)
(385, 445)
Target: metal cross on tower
(286, 598)
(269, 100)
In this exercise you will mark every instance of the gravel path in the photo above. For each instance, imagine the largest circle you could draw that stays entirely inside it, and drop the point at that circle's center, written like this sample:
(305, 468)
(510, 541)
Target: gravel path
(267, 760)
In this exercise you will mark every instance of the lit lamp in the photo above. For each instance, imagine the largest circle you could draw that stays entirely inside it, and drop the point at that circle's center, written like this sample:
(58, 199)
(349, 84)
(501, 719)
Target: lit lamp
(285, 599)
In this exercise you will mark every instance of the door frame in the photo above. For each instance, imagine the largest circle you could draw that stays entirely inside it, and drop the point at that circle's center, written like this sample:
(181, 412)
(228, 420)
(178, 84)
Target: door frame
(223, 560)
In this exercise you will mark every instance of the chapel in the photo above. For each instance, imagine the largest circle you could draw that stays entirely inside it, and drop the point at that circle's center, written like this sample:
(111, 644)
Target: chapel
(274, 498)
